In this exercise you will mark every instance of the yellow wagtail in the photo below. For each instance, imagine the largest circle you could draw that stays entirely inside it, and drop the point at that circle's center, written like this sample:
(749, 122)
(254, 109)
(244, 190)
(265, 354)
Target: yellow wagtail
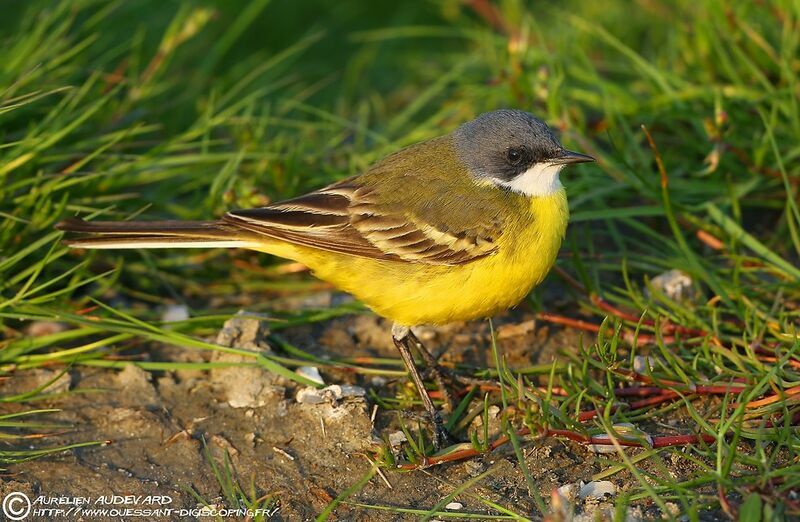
(454, 228)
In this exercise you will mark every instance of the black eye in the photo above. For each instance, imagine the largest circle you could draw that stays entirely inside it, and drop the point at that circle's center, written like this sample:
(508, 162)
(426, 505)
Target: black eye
(514, 155)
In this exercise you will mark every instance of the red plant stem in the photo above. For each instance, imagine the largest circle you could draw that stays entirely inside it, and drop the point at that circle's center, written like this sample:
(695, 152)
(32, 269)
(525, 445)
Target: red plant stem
(724, 504)
(681, 440)
(87, 310)
(633, 391)
(657, 442)
(567, 321)
(607, 307)
(437, 394)
(794, 363)
(591, 414)
(774, 398)
(660, 395)
(795, 420)
(666, 396)
(709, 240)
(638, 391)
(561, 392)
(641, 339)
(769, 354)
(647, 378)
(645, 339)
(717, 390)
(706, 389)
(626, 316)
(655, 395)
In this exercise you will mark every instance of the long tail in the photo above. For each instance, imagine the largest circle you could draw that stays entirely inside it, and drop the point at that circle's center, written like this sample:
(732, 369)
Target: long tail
(155, 234)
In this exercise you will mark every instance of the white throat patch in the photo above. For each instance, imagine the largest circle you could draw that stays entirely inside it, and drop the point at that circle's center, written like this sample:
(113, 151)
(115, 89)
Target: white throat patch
(539, 180)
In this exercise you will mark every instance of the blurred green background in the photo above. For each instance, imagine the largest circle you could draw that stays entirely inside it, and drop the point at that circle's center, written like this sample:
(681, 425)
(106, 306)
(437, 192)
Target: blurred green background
(185, 109)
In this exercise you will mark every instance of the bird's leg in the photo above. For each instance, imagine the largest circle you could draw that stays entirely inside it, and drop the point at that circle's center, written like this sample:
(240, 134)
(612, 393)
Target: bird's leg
(403, 342)
(434, 369)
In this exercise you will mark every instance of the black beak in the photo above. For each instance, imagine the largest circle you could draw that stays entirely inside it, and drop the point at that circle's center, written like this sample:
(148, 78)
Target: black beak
(568, 157)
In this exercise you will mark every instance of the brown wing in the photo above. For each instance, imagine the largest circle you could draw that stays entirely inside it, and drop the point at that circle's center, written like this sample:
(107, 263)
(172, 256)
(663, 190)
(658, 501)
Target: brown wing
(354, 218)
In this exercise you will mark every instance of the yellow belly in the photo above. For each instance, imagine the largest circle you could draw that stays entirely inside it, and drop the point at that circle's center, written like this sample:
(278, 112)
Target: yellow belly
(412, 294)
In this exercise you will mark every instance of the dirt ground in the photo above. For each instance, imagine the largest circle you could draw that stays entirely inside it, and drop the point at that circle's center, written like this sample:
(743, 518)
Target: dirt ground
(303, 455)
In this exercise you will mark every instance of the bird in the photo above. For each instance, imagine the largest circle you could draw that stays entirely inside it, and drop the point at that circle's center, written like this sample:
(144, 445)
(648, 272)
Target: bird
(455, 228)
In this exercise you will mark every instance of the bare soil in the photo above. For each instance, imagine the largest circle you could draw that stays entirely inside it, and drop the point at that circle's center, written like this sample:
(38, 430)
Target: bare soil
(304, 455)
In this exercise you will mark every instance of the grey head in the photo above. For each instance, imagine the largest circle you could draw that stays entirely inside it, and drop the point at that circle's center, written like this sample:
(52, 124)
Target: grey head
(515, 151)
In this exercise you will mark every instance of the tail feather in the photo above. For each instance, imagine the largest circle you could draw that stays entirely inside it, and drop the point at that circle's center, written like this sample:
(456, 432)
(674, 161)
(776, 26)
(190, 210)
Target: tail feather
(154, 234)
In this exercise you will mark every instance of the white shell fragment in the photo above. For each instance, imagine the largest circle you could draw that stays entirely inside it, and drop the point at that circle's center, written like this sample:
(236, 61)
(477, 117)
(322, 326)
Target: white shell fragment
(397, 438)
(309, 395)
(597, 490)
(644, 364)
(454, 506)
(311, 373)
(244, 330)
(345, 391)
(175, 313)
(602, 449)
(333, 394)
(568, 492)
(625, 431)
(675, 284)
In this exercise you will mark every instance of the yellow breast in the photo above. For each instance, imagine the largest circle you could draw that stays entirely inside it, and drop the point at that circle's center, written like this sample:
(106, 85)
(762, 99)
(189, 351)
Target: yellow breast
(412, 294)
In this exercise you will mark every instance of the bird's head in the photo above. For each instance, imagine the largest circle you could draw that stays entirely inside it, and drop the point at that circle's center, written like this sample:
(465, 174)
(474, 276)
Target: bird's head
(514, 150)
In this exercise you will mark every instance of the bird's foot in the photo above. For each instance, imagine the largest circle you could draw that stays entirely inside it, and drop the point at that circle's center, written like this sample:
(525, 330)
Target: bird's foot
(404, 340)
(434, 370)
(440, 437)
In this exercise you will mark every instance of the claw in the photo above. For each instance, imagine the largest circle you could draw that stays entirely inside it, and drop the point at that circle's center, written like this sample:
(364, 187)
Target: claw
(441, 437)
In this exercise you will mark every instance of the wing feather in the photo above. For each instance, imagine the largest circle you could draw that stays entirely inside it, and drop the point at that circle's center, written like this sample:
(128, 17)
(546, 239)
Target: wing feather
(351, 218)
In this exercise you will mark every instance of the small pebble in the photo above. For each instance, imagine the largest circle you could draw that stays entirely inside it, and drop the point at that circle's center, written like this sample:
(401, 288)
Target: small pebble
(282, 452)
(597, 490)
(332, 393)
(675, 284)
(309, 395)
(378, 381)
(568, 492)
(311, 373)
(673, 510)
(224, 444)
(40, 328)
(397, 438)
(623, 429)
(508, 331)
(644, 364)
(474, 467)
(175, 313)
(244, 330)
(454, 506)
(344, 391)
(425, 333)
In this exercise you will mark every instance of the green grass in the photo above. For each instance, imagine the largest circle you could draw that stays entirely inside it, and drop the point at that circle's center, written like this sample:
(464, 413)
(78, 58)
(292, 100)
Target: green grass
(255, 506)
(183, 110)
